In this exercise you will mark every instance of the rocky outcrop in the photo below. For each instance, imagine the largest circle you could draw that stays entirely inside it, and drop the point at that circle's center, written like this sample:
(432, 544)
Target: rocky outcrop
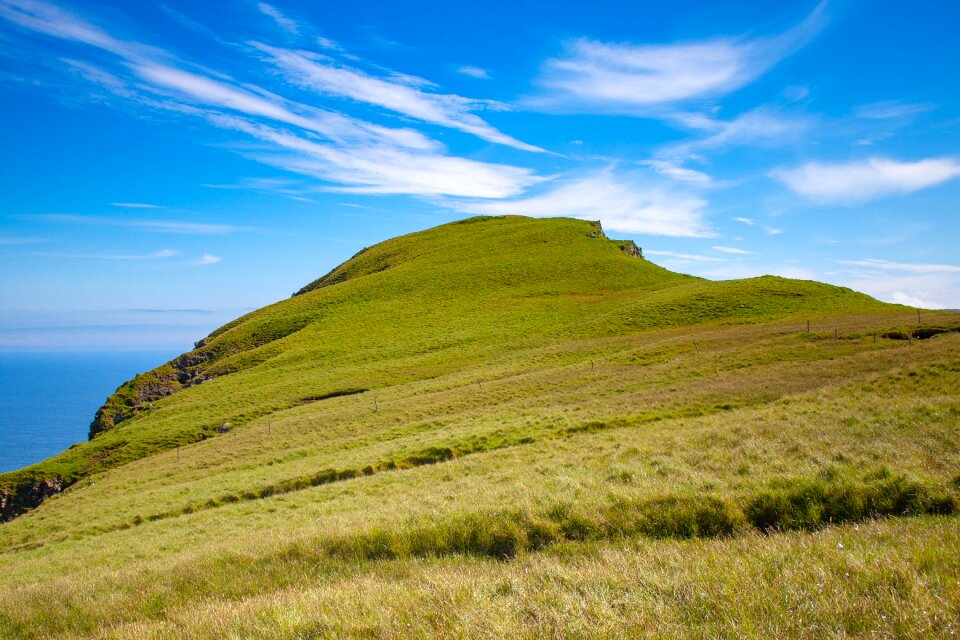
(630, 248)
(204, 363)
(135, 396)
(27, 495)
(139, 394)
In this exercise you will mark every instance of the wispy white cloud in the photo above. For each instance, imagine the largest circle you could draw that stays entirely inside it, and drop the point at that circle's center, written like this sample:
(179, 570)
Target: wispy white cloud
(741, 269)
(927, 290)
(161, 226)
(384, 169)
(632, 78)
(174, 311)
(163, 253)
(351, 153)
(286, 24)
(448, 110)
(376, 39)
(206, 259)
(773, 231)
(327, 43)
(186, 21)
(256, 102)
(763, 126)
(796, 92)
(890, 109)
(157, 68)
(474, 72)
(917, 284)
(43, 17)
(908, 267)
(135, 205)
(735, 250)
(677, 172)
(683, 256)
(624, 202)
(6, 240)
(207, 91)
(190, 228)
(98, 76)
(857, 182)
(294, 189)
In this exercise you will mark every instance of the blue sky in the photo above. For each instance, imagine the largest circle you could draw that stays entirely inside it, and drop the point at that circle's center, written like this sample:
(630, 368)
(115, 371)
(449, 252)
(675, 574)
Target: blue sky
(167, 166)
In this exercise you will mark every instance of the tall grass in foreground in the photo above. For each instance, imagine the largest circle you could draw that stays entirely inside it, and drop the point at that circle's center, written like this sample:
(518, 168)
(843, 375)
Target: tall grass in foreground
(893, 578)
(797, 503)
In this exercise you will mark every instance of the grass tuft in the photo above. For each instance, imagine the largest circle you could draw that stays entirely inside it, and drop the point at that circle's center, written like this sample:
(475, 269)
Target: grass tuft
(810, 503)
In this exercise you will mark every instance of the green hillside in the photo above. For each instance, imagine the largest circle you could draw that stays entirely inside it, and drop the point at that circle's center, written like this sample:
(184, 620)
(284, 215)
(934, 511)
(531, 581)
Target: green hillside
(510, 427)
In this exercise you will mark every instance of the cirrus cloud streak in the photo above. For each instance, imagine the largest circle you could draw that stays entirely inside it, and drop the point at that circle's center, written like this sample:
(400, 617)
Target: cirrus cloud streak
(857, 182)
(594, 76)
(624, 202)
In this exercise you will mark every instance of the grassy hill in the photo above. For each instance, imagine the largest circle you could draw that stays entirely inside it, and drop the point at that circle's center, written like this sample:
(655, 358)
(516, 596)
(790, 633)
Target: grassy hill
(507, 427)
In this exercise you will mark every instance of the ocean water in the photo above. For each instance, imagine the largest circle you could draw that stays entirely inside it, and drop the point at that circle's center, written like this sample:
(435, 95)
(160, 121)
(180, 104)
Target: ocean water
(47, 400)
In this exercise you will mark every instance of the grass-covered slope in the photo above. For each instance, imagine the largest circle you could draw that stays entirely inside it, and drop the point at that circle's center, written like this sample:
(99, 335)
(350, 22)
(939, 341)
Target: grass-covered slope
(414, 307)
(491, 429)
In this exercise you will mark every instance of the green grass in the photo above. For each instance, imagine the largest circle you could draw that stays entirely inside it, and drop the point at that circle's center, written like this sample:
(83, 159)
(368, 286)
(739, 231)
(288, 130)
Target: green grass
(508, 428)
(448, 299)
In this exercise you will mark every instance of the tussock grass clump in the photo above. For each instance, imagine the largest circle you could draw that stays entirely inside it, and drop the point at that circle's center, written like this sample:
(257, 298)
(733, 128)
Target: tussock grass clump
(797, 503)
(339, 393)
(924, 333)
(810, 503)
(895, 334)
(919, 333)
(503, 535)
(497, 535)
(689, 517)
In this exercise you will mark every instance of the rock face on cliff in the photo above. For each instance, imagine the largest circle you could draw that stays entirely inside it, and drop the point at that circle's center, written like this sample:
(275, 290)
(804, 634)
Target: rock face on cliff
(26, 496)
(630, 248)
(135, 396)
(138, 395)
